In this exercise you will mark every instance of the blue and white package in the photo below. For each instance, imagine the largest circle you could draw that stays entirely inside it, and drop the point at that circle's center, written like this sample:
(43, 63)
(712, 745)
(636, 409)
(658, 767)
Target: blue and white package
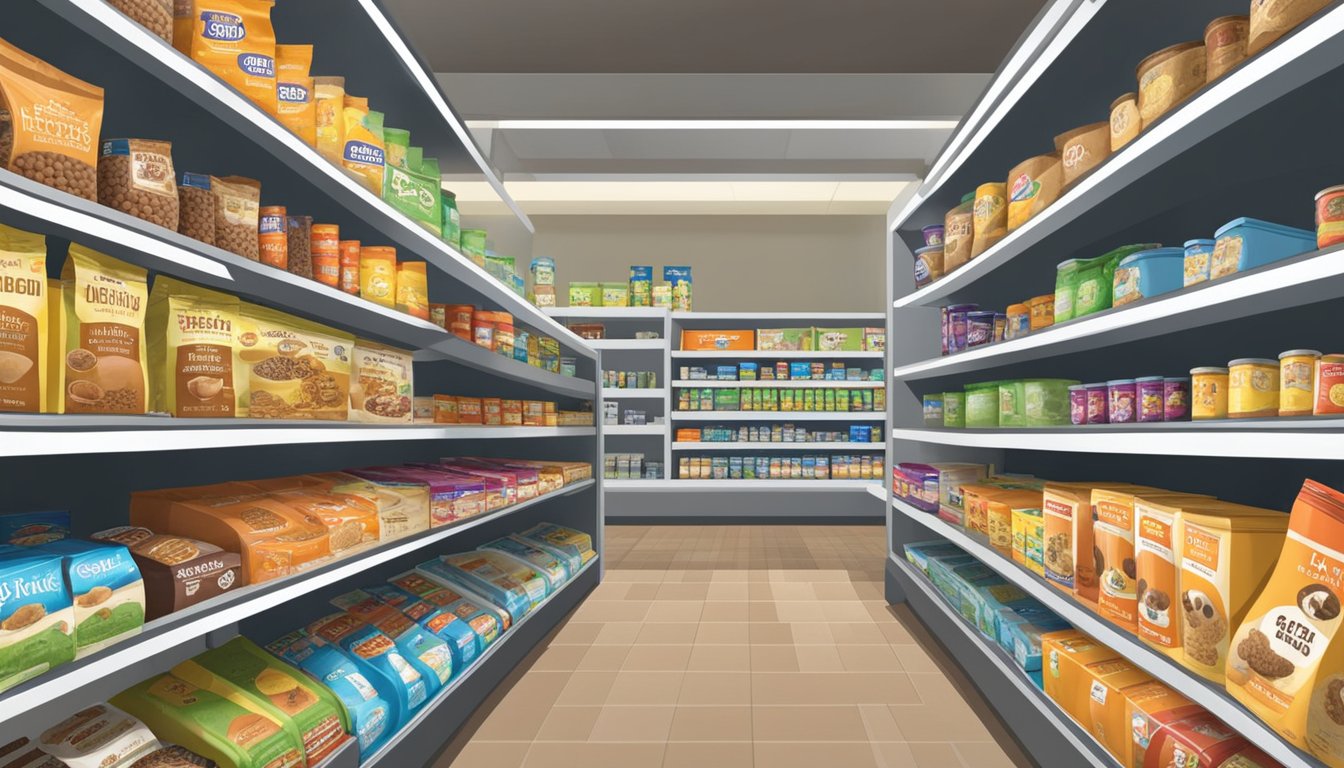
(378, 658)
(430, 655)
(24, 529)
(106, 588)
(371, 716)
(547, 563)
(35, 599)
(576, 545)
(461, 639)
(486, 619)
(515, 587)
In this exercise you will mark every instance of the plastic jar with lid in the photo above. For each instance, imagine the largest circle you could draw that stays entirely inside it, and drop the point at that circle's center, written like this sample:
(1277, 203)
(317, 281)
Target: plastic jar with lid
(1252, 388)
(1148, 393)
(1019, 321)
(979, 329)
(1297, 381)
(1098, 403)
(1120, 401)
(1208, 393)
(1176, 398)
(1078, 404)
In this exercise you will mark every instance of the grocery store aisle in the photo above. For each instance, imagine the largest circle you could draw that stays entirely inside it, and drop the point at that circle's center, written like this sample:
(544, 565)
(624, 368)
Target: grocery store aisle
(730, 646)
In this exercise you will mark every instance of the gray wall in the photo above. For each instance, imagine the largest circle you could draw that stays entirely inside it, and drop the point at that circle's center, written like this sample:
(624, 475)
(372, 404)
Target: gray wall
(739, 263)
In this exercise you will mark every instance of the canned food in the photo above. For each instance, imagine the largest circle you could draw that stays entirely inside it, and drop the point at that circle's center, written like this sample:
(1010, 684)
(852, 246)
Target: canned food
(1078, 404)
(1329, 385)
(1208, 393)
(1176, 398)
(1252, 388)
(1297, 382)
(1330, 216)
(1120, 401)
(1098, 411)
(1150, 397)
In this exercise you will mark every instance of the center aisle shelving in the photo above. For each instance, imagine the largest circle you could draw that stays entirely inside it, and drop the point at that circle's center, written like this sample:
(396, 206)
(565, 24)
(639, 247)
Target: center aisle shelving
(1135, 195)
(91, 464)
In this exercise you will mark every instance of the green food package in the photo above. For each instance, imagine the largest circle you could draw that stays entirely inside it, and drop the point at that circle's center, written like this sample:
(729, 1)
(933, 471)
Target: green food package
(1096, 278)
(839, 340)
(473, 245)
(106, 588)
(413, 192)
(209, 724)
(245, 674)
(396, 143)
(452, 220)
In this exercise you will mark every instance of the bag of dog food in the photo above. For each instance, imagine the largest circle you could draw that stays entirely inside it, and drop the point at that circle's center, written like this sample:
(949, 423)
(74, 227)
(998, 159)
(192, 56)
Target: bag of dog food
(362, 155)
(426, 652)
(23, 313)
(296, 108)
(378, 658)
(1283, 664)
(233, 39)
(104, 365)
(49, 124)
(445, 625)
(191, 337)
(105, 585)
(366, 713)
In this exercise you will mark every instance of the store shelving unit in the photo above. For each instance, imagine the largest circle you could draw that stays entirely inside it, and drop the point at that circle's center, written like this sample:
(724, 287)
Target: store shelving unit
(783, 355)
(1136, 195)
(90, 465)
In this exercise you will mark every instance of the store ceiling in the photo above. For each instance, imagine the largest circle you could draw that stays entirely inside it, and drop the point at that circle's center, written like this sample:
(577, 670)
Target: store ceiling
(720, 36)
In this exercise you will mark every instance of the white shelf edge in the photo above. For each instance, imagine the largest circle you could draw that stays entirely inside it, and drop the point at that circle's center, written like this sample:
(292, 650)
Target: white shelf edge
(111, 22)
(1321, 31)
(30, 436)
(735, 486)
(608, 313)
(634, 429)
(787, 354)
(779, 384)
(1036, 696)
(1265, 439)
(878, 491)
(423, 715)
(1294, 282)
(1154, 663)
(770, 316)
(634, 393)
(221, 612)
(782, 416)
(781, 446)
(628, 344)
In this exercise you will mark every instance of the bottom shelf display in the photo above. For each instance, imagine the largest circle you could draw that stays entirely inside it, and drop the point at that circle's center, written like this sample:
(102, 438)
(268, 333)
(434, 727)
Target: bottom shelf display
(355, 679)
(1136, 719)
(806, 467)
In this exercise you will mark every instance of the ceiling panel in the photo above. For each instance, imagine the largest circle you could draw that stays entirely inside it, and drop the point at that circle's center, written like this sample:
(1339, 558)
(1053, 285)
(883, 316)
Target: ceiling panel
(711, 145)
(801, 36)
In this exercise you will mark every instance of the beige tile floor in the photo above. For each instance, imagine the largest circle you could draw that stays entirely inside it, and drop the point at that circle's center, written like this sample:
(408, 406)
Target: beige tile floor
(733, 647)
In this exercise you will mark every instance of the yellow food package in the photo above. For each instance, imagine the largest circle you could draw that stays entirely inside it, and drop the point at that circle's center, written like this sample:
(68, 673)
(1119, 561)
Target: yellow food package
(1113, 540)
(384, 387)
(1284, 663)
(296, 108)
(288, 368)
(378, 274)
(24, 326)
(1099, 689)
(329, 116)
(49, 124)
(191, 338)
(413, 289)
(233, 39)
(363, 153)
(102, 368)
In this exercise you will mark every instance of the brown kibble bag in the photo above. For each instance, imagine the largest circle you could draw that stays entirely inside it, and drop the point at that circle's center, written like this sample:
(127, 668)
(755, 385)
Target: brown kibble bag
(296, 107)
(1283, 662)
(154, 15)
(49, 124)
(102, 324)
(135, 176)
(237, 214)
(23, 321)
(233, 39)
(191, 335)
(196, 208)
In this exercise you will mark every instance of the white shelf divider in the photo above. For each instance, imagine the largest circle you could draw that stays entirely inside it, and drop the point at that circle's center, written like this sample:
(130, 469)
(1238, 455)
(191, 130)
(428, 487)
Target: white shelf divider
(628, 344)
(781, 446)
(634, 393)
(781, 416)
(634, 429)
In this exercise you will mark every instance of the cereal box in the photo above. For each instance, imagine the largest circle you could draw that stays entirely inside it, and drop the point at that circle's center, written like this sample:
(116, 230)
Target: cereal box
(106, 588)
(36, 615)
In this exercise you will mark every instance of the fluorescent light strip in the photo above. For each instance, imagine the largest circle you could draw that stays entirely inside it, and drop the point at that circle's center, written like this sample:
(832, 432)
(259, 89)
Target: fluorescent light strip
(714, 125)
(432, 92)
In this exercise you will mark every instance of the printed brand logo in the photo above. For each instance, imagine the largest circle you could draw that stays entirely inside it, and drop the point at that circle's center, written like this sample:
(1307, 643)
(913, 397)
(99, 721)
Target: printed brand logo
(256, 64)
(22, 588)
(203, 323)
(222, 26)
(20, 286)
(271, 224)
(94, 294)
(1023, 188)
(89, 570)
(363, 152)
(292, 93)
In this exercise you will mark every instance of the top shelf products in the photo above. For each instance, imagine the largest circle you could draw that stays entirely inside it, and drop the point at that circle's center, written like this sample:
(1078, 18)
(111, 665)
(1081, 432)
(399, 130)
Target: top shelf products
(673, 293)
(786, 340)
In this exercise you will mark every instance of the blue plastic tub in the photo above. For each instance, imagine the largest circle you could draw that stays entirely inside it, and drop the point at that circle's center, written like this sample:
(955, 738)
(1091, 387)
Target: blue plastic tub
(1198, 253)
(1146, 274)
(1247, 243)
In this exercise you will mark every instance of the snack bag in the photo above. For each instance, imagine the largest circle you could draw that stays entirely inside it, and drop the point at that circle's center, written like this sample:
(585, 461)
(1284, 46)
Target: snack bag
(107, 591)
(444, 624)
(362, 155)
(49, 124)
(329, 116)
(378, 658)
(37, 620)
(486, 619)
(103, 368)
(24, 316)
(1283, 664)
(415, 189)
(233, 39)
(426, 652)
(191, 337)
(365, 713)
(296, 105)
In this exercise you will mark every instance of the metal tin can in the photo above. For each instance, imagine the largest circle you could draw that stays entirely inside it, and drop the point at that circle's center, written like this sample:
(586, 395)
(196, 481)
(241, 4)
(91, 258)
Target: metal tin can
(1329, 385)
(1252, 388)
(1208, 393)
(1297, 382)
(326, 249)
(272, 236)
(1330, 216)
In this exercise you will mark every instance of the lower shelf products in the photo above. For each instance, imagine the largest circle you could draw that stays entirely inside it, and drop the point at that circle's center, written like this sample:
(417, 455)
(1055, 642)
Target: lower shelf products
(809, 467)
